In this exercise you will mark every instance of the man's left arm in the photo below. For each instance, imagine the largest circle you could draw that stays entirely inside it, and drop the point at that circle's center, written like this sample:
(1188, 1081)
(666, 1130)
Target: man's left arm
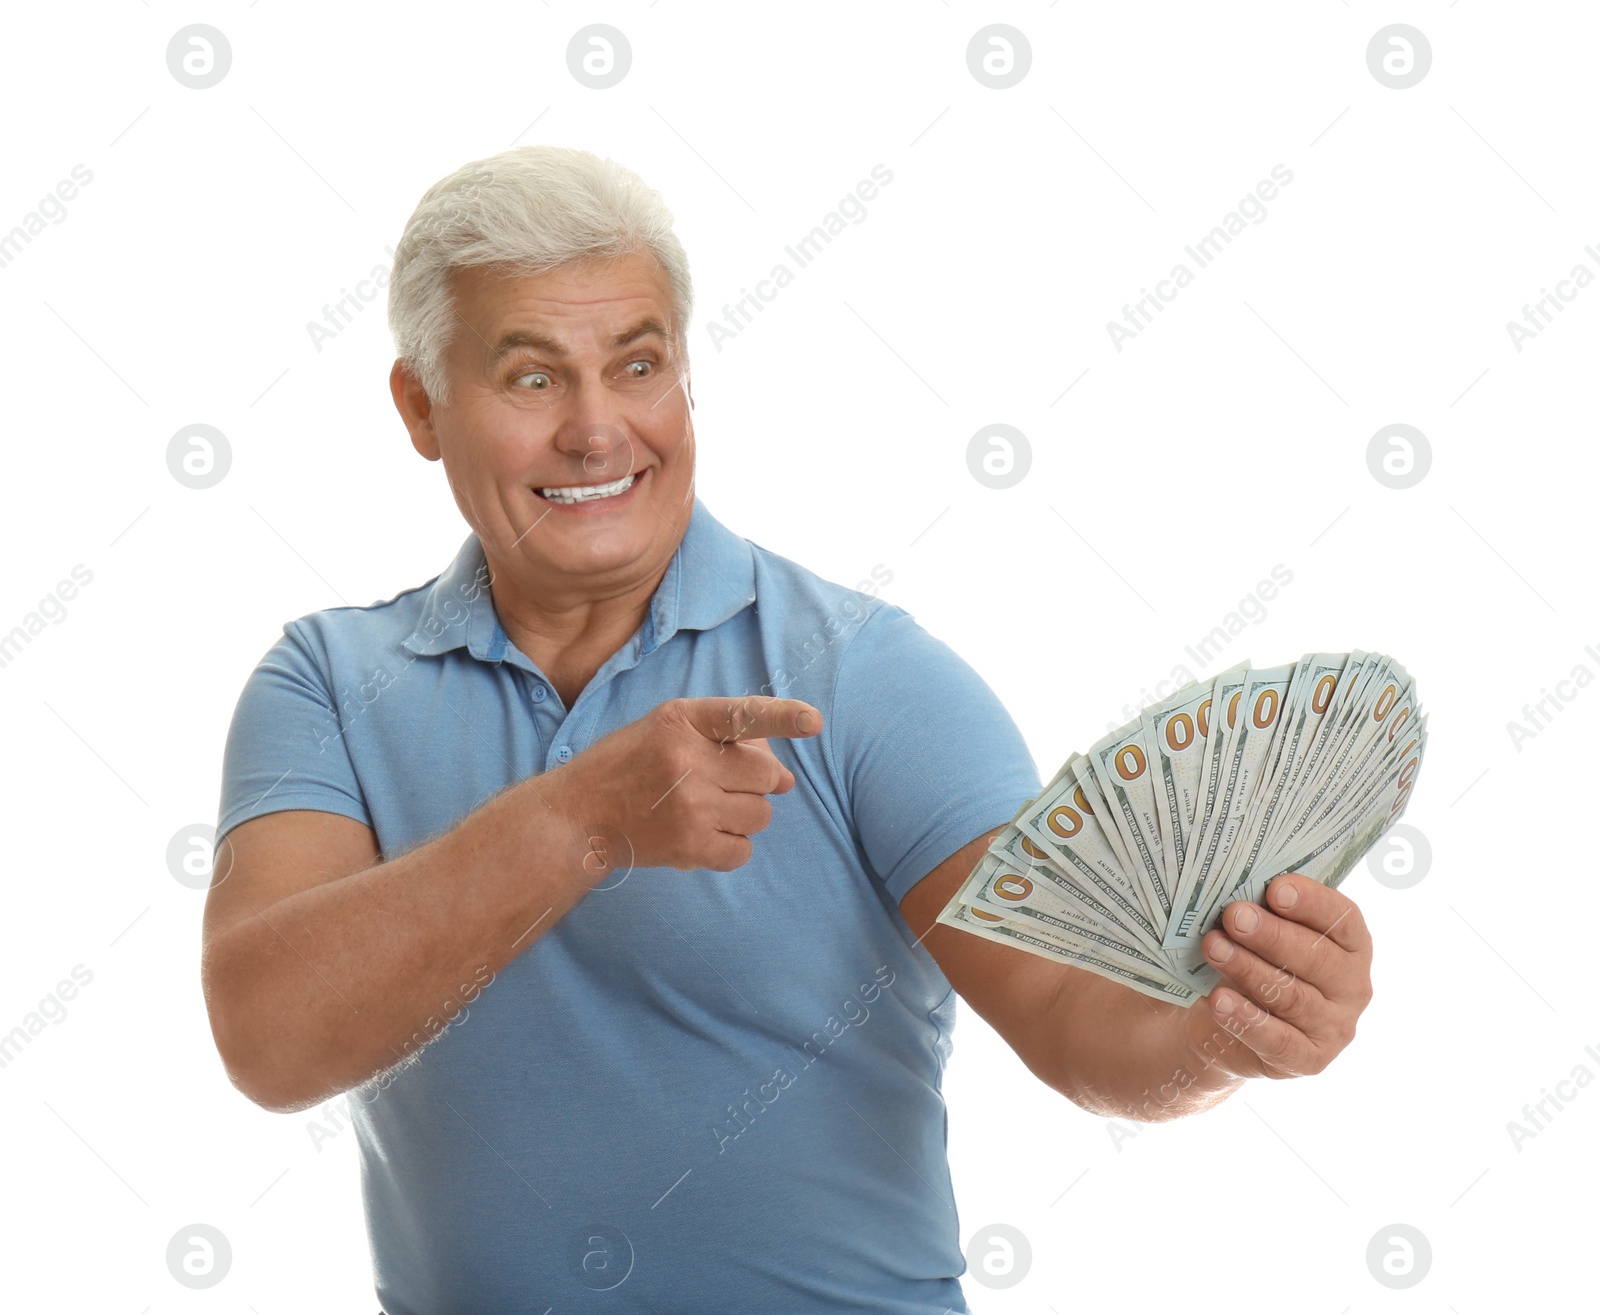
(1292, 987)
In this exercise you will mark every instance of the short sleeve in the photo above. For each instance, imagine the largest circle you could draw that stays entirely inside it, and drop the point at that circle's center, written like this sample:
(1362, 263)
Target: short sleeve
(926, 754)
(285, 746)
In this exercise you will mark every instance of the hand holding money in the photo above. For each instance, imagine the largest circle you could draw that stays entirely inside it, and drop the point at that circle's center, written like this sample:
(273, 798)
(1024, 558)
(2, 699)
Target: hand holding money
(1133, 851)
(1295, 977)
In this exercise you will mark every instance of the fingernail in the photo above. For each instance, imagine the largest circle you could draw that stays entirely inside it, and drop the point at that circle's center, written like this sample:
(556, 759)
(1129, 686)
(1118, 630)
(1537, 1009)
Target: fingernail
(1288, 896)
(1224, 1004)
(1222, 950)
(805, 722)
(1245, 919)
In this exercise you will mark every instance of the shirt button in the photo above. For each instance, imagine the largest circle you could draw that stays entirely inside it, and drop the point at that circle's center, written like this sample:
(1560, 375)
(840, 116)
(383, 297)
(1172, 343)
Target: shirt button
(564, 753)
(539, 691)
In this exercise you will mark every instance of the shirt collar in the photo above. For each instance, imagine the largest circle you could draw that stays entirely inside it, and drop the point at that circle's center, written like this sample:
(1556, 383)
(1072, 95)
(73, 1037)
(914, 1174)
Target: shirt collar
(710, 578)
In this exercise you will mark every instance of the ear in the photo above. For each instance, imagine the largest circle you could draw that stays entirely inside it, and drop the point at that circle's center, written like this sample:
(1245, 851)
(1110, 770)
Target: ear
(416, 409)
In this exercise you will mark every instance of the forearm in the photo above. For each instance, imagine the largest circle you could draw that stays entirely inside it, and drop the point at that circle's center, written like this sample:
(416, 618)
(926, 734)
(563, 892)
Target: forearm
(1124, 1055)
(330, 986)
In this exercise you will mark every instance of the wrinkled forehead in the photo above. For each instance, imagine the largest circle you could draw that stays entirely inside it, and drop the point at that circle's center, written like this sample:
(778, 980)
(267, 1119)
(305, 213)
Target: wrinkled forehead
(610, 304)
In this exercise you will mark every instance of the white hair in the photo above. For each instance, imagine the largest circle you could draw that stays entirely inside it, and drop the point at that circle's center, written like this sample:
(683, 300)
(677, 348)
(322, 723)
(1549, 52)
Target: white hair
(526, 211)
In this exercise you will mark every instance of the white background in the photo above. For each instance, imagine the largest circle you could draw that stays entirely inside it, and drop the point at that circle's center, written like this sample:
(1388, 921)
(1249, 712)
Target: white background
(1167, 478)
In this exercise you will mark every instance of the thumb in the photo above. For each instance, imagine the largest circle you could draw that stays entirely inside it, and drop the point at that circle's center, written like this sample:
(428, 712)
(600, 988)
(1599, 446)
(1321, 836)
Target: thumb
(751, 717)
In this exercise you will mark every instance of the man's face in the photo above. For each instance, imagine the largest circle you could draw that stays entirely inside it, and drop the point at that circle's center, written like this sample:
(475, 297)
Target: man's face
(559, 381)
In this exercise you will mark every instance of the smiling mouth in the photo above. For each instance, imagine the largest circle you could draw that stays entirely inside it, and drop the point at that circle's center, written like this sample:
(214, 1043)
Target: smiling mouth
(571, 495)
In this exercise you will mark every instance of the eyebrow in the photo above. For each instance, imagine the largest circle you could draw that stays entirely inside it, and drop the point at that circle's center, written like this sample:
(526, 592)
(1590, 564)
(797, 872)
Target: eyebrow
(550, 347)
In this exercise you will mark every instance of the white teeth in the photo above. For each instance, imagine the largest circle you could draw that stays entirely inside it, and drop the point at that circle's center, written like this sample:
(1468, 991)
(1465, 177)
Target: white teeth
(589, 492)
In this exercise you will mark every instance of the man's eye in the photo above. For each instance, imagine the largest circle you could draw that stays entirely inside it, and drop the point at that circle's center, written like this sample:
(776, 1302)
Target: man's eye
(650, 364)
(534, 374)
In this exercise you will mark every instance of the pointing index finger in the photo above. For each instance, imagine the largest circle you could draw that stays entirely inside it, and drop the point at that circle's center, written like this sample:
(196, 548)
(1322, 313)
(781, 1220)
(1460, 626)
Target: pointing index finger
(753, 717)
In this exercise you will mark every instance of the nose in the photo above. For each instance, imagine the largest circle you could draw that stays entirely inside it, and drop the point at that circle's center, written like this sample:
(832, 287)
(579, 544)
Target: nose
(605, 451)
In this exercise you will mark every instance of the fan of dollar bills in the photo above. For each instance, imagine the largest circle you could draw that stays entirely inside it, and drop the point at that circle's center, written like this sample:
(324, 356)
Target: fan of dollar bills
(1132, 851)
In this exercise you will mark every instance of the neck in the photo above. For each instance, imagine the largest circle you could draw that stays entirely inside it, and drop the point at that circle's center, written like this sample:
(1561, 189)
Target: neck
(571, 639)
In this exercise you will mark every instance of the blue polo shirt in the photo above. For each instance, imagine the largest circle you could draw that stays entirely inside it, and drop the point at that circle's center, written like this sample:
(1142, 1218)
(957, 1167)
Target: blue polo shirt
(698, 1091)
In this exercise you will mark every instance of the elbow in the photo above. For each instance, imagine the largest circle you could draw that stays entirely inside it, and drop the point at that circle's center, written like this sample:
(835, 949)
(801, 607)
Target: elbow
(248, 1062)
(259, 1089)
(250, 1073)
(1160, 1104)
(258, 1079)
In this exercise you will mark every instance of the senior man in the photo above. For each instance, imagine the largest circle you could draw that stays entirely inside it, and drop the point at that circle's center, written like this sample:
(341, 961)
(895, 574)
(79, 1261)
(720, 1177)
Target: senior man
(497, 857)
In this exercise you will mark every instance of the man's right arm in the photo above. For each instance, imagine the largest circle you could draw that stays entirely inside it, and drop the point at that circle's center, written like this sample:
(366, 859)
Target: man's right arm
(321, 965)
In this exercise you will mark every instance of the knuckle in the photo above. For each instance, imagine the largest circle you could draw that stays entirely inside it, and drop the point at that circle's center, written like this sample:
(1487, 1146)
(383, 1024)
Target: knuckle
(1325, 959)
(740, 714)
(1276, 1048)
(1283, 993)
(1256, 1014)
(1268, 937)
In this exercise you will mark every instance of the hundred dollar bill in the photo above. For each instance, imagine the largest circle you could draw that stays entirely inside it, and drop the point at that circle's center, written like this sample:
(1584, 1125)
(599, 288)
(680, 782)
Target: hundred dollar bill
(1076, 879)
(1005, 932)
(1120, 763)
(1333, 857)
(1321, 856)
(1368, 709)
(1215, 791)
(1175, 731)
(1258, 718)
(1308, 700)
(1012, 894)
(1066, 824)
